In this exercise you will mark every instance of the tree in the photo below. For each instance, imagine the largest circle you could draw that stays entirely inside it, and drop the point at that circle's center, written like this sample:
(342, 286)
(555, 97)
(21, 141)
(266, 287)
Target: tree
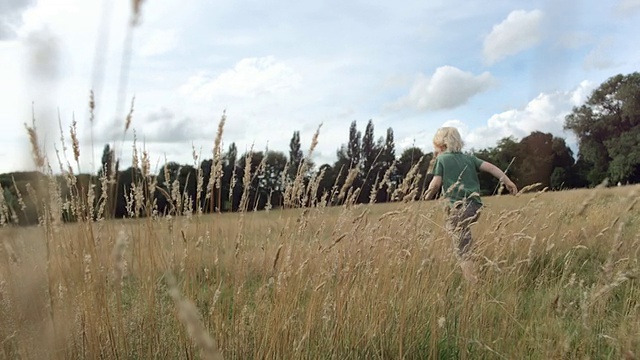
(536, 159)
(271, 186)
(506, 156)
(387, 158)
(368, 152)
(126, 205)
(168, 174)
(265, 179)
(109, 171)
(608, 130)
(230, 196)
(339, 169)
(15, 183)
(353, 148)
(327, 182)
(580, 173)
(348, 158)
(389, 151)
(562, 154)
(342, 159)
(179, 182)
(206, 201)
(564, 174)
(109, 163)
(295, 155)
(370, 155)
(625, 155)
(8, 205)
(559, 179)
(409, 157)
(165, 179)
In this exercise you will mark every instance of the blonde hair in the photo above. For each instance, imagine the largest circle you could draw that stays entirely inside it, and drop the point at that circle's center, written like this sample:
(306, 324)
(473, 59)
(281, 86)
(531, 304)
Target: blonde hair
(449, 138)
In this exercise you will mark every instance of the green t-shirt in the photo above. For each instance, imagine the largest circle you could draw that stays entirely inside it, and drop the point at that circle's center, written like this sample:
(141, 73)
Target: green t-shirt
(459, 176)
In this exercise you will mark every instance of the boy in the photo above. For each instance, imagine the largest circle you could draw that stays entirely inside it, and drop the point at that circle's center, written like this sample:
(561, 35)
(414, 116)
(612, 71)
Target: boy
(457, 174)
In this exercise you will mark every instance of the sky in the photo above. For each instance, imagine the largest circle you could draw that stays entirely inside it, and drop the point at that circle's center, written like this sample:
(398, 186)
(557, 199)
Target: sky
(492, 69)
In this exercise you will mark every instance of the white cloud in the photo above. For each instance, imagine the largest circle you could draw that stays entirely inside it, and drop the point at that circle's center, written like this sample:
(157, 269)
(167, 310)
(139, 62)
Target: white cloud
(599, 58)
(160, 126)
(10, 19)
(627, 7)
(448, 88)
(419, 139)
(11, 99)
(574, 40)
(518, 32)
(249, 78)
(192, 60)
(544, 113)
(43, 54)
(158, 43)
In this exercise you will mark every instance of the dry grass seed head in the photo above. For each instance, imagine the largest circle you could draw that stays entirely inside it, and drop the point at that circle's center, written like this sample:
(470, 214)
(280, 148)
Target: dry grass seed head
(75, 143)
(118, 255)
(136, 9)
(127, 122)
(92, 106)
(587, 201)
(36, 152)
(216, 172)
(189, 316)
(351, 176)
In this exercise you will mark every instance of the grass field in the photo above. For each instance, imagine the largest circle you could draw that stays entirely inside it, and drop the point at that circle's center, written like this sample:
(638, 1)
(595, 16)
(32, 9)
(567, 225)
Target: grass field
(558, 279)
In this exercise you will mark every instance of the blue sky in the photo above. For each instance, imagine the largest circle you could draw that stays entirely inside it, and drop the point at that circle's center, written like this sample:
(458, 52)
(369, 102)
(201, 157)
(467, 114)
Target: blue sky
(493, 69)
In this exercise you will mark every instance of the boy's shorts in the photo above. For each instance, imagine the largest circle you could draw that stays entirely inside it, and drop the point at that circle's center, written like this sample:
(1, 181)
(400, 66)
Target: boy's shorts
(460, 216)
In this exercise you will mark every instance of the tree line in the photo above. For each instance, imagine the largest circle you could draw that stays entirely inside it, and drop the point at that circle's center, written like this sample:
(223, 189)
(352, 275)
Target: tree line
(367, 169)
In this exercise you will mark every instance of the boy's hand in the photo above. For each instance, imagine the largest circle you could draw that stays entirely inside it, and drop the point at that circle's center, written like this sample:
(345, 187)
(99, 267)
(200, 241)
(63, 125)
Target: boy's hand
(513, 189)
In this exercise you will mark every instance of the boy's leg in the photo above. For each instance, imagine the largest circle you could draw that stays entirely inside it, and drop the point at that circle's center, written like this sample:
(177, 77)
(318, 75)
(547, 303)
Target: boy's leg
(460, 218)
(458, 225)
(469, 215)
(453, 227)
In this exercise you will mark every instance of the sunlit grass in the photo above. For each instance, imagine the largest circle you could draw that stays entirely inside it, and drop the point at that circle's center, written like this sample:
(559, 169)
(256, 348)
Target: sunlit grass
(363, 281)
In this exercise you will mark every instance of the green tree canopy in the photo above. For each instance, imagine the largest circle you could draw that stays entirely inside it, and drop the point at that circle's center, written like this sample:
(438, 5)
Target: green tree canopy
(504, 155)
(409, 157)
(295, 155)
(608, 129)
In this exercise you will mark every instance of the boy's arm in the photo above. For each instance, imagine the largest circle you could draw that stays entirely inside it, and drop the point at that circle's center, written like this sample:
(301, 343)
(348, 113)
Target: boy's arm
(432, 164)
(434, 186)
(500, 175)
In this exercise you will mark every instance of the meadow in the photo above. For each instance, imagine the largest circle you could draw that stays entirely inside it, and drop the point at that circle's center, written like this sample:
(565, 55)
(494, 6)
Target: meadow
(557, 280)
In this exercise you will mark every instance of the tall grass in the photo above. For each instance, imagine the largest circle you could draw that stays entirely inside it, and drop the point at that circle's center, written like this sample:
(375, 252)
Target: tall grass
(557, 277)
(557, 271)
